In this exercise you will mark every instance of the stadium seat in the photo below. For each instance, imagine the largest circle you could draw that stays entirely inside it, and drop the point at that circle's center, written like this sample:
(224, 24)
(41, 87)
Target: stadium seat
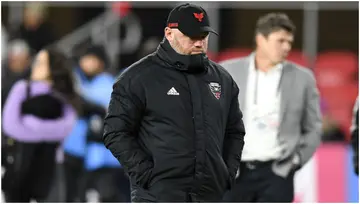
(340, 102)
(335, 68)
(339, 95)
(299, 57)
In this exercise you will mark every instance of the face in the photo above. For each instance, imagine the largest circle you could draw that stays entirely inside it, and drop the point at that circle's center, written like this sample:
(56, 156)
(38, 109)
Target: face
(91, 64)
(40, 67)
(276, 46)
(32, 18)
(185, 45)
(18, 62)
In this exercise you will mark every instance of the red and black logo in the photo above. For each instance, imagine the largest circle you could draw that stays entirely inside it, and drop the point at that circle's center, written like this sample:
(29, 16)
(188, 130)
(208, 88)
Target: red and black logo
(199, 16)
(215, 89)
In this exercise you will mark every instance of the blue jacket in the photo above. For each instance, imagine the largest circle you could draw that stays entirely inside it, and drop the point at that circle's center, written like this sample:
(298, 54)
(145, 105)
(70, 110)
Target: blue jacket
(75, 143)
(96, 155)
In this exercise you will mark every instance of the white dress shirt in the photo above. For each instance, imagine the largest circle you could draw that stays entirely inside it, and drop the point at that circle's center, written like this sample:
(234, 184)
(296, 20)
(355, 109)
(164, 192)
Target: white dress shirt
(262, 114)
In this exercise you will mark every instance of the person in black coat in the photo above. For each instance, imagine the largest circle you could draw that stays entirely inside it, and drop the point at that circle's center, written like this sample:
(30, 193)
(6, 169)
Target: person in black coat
(174, 121)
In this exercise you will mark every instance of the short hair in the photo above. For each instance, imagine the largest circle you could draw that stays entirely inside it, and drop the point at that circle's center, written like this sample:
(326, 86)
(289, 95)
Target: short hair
(273, 22)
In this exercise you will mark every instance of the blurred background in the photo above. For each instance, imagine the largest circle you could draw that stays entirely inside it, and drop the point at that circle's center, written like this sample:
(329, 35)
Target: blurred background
(326, 42)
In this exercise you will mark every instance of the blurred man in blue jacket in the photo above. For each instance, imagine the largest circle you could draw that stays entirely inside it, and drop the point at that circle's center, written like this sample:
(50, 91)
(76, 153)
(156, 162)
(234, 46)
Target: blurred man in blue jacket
(102, 171)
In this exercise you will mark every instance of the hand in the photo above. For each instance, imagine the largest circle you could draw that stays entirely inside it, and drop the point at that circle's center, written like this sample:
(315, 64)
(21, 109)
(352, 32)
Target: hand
(296, 159)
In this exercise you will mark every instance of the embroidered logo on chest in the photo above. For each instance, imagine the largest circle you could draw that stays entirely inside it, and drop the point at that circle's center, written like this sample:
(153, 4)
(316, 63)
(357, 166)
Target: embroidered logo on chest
(215, 88)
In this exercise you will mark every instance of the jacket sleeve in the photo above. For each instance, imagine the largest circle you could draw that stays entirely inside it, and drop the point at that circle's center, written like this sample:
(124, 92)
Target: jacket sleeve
(355, 136)
(311, 123)
(121, 126)
(53, 130)
(234, 135)
(24, 127)
(12, 122)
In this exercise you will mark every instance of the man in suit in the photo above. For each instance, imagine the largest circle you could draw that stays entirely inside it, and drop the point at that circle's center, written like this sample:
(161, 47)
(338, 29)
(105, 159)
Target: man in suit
(282, 114)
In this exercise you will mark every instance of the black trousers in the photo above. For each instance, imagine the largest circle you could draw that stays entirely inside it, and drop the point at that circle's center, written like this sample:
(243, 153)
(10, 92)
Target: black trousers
(111, 184)
(258, 183)
(30, 171)
(74, 178)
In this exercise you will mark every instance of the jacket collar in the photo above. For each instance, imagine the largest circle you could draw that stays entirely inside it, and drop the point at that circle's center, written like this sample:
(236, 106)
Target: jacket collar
(186, 63)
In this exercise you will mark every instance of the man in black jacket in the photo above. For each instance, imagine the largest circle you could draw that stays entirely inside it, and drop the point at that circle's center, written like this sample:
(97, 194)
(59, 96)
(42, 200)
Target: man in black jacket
(174, 121)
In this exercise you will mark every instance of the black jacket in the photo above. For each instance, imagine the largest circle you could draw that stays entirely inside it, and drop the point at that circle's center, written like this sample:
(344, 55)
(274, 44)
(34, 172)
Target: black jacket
(174, 138)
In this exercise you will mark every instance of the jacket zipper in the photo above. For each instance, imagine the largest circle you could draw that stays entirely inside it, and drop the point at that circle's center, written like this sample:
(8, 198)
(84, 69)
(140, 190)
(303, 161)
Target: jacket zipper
(193, 120)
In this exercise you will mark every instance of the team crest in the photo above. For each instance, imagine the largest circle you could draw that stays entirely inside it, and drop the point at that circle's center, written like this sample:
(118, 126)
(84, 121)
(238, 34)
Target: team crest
(215, 89)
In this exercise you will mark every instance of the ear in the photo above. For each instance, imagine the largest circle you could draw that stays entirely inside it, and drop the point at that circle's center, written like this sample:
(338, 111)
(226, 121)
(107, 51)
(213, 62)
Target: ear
(259, 39)
(168, 34)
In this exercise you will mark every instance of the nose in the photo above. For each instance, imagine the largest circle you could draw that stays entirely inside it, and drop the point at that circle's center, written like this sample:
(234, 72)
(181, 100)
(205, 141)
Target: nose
(199, 43)
(287, 46)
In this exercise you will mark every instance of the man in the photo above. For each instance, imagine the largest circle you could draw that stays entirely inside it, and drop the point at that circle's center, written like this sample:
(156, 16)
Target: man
(15, 67)
(35, 29)
(84, 146)
(281, 115)
(174, 121)
(355, 136)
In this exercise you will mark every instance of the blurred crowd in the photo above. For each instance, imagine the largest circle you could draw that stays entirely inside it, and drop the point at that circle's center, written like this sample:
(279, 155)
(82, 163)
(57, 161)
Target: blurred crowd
(76, 160)
(30, 67)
